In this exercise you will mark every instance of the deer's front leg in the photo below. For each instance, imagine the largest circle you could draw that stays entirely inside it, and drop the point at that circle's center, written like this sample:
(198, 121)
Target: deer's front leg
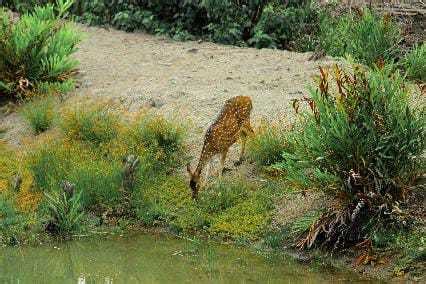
(222, 163)
(206, 174)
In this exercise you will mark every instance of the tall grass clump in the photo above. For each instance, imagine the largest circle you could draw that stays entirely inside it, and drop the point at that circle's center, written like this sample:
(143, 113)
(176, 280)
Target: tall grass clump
(364, 36)
(361, 141)
(96, 177)
(40, 113)
(266, 146)
(164, 141)
(36, 51)
(97, 125)
(414, 63)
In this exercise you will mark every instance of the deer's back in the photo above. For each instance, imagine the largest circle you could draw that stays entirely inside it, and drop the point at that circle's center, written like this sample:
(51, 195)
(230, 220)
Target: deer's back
(226, 129)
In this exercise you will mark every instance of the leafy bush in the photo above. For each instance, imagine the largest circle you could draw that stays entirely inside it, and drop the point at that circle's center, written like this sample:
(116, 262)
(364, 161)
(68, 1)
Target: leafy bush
(35, 51)
(293, 27)
(266, 146)
(261, 23)
(96, 125)
(362, 142)
(414, 63)
(40, 113)
(366, 37)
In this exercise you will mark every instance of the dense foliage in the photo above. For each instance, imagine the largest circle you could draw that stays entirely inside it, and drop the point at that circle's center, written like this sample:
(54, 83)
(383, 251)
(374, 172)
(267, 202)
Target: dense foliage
(260, 23)
(35, 53)
(365, 36)
(361, 141)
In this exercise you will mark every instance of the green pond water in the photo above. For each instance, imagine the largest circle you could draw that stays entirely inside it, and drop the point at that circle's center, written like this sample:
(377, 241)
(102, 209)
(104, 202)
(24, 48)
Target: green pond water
(152, 259)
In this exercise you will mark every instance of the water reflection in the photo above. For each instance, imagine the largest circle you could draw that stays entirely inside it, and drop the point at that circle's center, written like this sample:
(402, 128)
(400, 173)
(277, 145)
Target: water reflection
(150, 259)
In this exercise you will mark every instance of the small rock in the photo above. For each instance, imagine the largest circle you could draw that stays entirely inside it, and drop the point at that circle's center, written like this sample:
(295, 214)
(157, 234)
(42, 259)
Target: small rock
(155, 103)
(193, 50)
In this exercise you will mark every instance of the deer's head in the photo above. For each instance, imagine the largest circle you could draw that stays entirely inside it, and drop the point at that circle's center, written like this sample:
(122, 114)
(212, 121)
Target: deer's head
(194, 180)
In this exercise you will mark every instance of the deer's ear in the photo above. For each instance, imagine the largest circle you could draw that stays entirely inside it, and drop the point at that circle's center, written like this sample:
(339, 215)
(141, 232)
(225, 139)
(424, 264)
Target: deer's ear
(188, 168)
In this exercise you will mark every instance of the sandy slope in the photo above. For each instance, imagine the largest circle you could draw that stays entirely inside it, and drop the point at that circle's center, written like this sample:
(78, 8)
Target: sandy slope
(188, 79)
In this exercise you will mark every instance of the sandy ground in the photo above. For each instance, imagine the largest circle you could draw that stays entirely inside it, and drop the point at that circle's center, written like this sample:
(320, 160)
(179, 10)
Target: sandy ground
(187, 80)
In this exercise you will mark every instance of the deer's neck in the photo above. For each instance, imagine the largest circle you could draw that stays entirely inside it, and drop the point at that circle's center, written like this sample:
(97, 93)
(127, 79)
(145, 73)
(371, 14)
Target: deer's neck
(200, 167)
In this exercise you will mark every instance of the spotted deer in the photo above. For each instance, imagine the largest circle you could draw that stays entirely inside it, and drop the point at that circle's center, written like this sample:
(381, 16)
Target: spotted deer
(233, 123)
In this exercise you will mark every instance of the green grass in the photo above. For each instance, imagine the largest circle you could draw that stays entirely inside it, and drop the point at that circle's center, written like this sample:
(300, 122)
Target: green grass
(96, 125)
(248, 219)
(409, 244)
(164, 140)
(40, 113)
(414, 63)
(266, 146)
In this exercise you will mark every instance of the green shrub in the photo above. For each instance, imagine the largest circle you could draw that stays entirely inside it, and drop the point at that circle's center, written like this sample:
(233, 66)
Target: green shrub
(35, 50)
(266, 146)
(95, 125)
(65, 212)
(361, 141)
(414, 63)
(367, 38)
(40, 113)
(261, 23)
